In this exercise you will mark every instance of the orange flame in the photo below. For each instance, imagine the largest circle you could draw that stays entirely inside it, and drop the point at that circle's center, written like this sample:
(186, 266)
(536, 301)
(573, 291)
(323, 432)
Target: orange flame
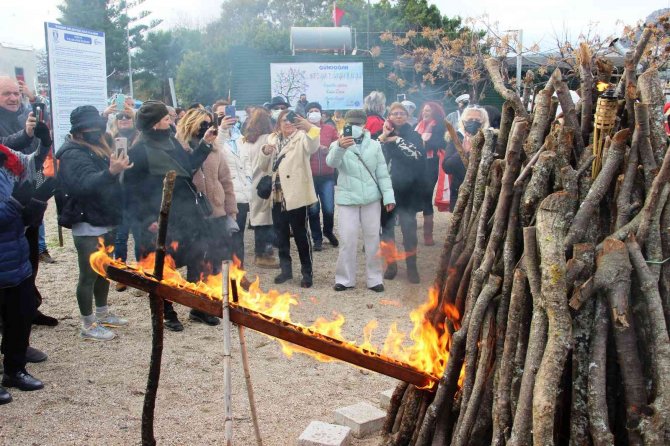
(428, 351)
(390, 254)
(602, 86)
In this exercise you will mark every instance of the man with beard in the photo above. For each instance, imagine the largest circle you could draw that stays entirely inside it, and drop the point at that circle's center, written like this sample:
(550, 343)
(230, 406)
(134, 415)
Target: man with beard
(19, 125)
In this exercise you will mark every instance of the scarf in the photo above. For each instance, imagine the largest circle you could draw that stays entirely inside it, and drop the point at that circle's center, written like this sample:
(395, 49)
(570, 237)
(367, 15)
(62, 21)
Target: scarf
(161, 155)
(425, 129)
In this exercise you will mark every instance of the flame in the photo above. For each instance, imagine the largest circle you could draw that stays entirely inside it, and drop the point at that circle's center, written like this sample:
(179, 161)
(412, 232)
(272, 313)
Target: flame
(390, 254)
(602, 86)
(427, 352)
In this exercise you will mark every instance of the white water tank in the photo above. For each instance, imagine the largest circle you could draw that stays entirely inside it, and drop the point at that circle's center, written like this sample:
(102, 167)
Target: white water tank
(320, 38)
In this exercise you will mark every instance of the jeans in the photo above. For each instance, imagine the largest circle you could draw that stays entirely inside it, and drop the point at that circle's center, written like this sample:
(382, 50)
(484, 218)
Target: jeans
(263, 240)
(121, 241)
(407, 218)
(325, 192)
(43, 239)
(90, 284)
(284, 222)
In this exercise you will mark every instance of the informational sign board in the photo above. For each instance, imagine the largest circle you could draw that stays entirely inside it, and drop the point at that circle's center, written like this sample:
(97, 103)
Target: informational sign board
(77, 73)
(336, 86)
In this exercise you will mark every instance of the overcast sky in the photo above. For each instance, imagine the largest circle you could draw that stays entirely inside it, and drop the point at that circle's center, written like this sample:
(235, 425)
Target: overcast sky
(22, 20)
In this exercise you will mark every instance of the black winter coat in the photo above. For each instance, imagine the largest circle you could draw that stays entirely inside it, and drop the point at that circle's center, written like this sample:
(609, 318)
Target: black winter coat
(89, 192)
(406, 160)
(453, 165)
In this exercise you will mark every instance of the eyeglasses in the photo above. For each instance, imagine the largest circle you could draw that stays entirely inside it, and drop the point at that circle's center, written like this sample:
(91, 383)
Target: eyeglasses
(398, 114)
(122, 116)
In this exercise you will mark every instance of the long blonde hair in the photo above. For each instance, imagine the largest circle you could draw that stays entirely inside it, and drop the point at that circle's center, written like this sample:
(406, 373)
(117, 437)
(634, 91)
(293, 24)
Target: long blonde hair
(104, 150)
(189, 125)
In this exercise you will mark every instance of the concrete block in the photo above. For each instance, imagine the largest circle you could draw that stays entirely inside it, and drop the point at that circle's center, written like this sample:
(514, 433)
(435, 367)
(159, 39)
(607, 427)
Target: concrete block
(363, 419)
(319, 433)
(385, 398)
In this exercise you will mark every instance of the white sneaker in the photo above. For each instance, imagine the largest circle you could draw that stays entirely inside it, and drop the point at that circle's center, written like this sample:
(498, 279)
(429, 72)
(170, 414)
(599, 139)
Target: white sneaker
(97, 333)
(111, 320)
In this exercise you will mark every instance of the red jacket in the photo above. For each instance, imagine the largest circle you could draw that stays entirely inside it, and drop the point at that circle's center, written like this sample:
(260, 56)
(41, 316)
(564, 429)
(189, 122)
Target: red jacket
(318, 160)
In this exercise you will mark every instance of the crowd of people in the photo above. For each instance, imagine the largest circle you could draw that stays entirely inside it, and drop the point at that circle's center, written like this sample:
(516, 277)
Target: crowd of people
(281, 173)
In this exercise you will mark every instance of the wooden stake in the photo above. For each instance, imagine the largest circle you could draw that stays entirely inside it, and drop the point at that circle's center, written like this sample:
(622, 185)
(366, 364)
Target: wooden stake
(157, 309)
(227, 382)
(250, 388)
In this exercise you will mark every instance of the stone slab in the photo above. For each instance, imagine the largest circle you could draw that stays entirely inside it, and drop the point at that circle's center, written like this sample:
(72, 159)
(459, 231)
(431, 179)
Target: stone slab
(385, 398)
(363, 418)
(319, 433)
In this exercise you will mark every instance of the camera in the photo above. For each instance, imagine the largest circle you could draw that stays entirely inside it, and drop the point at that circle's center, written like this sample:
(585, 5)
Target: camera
(346, 131)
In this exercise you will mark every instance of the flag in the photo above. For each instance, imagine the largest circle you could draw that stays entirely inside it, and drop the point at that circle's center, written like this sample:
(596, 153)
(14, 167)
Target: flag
(337, 15)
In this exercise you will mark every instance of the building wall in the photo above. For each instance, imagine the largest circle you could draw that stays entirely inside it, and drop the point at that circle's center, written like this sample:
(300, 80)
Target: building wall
(12, 57)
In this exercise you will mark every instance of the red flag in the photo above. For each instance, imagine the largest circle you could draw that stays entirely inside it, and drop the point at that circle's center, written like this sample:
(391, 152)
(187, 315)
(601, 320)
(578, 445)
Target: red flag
(337, 14)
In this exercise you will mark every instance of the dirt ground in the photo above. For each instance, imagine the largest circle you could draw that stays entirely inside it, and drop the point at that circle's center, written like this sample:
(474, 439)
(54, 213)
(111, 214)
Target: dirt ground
(94, 390)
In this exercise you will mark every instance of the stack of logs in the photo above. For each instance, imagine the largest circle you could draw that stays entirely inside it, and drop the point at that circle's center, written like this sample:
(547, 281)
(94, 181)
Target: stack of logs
(560, 278)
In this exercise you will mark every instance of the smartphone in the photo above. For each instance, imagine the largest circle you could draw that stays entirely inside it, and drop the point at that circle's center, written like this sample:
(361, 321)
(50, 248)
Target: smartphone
(120, 102)
(121, 145)
(38, 111)
(291, 117)
(230, 111)
(219, 119)
(20, 76)
(401, 97)
(346, 131)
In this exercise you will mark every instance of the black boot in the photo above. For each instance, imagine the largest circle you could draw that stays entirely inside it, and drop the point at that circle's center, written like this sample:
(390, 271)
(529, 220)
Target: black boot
(5, 397)
(170, 319)
(391, 271)
(306, 281)
(199, 316)
(412, 271)
(286, 273)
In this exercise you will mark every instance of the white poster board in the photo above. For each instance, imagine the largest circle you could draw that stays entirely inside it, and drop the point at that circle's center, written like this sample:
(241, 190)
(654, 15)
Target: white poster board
(336, 86)
(77, 73)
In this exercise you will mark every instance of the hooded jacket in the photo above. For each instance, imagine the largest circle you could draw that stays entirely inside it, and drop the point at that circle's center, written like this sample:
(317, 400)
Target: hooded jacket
(14, 254)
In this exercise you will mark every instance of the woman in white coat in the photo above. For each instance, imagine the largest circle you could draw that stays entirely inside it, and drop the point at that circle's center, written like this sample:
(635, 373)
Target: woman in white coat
(256, 131)
(286, 158)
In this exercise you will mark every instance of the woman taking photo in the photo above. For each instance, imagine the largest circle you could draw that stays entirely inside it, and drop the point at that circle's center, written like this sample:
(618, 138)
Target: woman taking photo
(362, 182)
(89, 175)
(403, 150)
(256, 131)
(155, 153)
(213, 179)
(431, 128)
(286, 158)
(472, 119)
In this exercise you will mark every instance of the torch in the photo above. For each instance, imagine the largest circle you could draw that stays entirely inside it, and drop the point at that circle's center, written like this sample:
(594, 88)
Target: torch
(605, 119)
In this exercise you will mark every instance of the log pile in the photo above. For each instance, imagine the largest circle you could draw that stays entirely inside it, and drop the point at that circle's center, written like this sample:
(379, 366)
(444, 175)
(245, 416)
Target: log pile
(559, 276)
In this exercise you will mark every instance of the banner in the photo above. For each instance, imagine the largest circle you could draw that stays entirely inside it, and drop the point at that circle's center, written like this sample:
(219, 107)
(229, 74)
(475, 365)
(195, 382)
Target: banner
(336, 86)
(77, 73)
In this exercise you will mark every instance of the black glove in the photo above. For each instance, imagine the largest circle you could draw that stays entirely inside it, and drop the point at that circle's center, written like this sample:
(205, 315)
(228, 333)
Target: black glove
(33, 213)
(23, 192)
(43, 134)
(46, 190)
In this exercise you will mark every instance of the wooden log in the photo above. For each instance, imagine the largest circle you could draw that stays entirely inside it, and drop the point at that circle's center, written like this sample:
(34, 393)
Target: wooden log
(651, 204)
(552, 225)
(157, 310)
(538, 187)
(567, 107)
(599, 188)
(483, 171)
(651, 92)
(494, 70)
(227, 375)
(623, 200)
(642, 144)
(584, 57)
(506, 121)
(542, 119)
(392, 412)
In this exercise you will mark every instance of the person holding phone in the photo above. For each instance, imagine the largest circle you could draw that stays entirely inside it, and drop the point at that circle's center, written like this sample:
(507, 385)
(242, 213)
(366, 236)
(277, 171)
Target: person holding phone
(92, 207)
(403, 149)
(363, 188)
(286, 158)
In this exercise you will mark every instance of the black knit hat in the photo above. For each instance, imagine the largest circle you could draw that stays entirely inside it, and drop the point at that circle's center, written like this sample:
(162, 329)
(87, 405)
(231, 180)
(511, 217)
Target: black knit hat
(150, 113)
(86, 117)
(312, 105)
(278, 100)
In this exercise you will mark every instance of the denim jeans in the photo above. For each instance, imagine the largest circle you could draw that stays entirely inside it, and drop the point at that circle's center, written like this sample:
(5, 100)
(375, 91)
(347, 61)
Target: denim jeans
(325, 192)
(121, 241)
(43, 239)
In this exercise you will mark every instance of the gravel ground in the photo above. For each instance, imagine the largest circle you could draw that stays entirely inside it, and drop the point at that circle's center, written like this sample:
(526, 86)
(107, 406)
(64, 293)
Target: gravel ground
(94, 390)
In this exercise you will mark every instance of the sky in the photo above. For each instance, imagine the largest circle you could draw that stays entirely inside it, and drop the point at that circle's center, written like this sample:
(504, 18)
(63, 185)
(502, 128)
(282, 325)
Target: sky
(540, 20)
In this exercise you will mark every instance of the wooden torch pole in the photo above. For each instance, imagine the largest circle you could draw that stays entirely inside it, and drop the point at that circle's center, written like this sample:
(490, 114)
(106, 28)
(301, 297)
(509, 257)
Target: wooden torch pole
(227, 383)
(157, 309)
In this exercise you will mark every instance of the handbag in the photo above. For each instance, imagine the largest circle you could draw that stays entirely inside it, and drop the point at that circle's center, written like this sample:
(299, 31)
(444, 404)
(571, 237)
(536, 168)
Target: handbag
(373, 177)
(264, 186)
(201, 201)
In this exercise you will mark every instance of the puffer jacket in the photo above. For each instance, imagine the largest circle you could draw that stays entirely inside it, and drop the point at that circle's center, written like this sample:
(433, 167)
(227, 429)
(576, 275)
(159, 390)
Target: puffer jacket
(14, 253)
(91, 194)
(355, 185)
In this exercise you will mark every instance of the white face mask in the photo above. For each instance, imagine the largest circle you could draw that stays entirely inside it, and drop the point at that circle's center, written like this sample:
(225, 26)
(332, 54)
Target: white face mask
(314, 117)
(275, 114)
(356, 131)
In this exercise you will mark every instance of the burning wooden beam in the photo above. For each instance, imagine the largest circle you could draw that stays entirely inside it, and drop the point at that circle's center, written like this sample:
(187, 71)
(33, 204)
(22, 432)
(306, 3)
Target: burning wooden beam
(292, 333)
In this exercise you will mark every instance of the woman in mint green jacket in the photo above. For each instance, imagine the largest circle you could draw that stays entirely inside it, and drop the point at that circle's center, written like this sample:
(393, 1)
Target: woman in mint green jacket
(363, 184)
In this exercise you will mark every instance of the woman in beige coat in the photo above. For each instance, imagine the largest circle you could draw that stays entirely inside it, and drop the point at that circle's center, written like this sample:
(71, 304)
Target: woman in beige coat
(257, 129)
(286, 157)
(214, 180)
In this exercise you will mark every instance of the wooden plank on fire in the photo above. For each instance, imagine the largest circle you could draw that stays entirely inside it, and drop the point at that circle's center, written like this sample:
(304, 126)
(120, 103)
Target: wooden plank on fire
(294, 334)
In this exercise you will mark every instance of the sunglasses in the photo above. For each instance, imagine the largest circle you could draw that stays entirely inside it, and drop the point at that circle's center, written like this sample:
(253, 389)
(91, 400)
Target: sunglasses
(122, 117)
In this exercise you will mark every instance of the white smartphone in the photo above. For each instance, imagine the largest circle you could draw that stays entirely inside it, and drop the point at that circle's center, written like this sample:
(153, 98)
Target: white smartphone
(121, 145)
